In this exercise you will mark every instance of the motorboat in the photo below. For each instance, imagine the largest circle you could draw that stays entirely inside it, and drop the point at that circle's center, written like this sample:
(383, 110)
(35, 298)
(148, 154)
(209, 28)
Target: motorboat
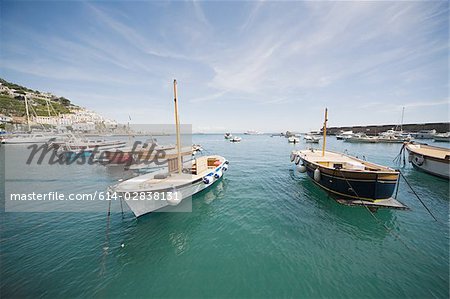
(431, 159)
(293, 139)
(34, 138)
(311, 138)
(169, 186)
(236, 139)
(361, 138)
(442, 137)
(344, 134)
(424, 134)
(228, 136)
(252, 132)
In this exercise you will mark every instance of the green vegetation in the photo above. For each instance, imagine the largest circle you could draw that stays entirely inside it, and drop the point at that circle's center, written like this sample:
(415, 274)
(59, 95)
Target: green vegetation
(16, 86)
(15, 106)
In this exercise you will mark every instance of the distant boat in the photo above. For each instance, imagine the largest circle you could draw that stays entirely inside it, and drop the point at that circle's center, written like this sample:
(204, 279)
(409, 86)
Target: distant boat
(228, 136)
(27, 139)
(236, 139)
(293, 139)
(361, 138)
(169, 186)
(252, 133)
(311, 138)
(344, 134)
(431, 159)
(424, 134)
(351, 180)
(442, 137)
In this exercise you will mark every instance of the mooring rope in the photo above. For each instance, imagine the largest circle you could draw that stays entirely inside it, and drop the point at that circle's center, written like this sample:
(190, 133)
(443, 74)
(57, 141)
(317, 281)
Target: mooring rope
(373, 215)
(398, 159)
(418, 197)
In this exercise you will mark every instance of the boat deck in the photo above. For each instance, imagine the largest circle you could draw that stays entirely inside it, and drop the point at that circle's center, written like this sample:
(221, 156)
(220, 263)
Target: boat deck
(430, 151)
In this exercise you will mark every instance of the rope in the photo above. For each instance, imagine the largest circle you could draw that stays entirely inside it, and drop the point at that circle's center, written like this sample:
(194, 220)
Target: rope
(398, 159)
(418, 197)
(373, 215)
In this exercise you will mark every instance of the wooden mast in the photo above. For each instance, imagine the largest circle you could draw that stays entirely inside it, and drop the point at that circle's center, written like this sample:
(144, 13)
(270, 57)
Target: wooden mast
(177, 126)
(28, 113)
(325, 132)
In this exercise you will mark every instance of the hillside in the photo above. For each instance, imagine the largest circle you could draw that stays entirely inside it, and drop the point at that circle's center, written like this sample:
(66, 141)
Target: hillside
(12, 101)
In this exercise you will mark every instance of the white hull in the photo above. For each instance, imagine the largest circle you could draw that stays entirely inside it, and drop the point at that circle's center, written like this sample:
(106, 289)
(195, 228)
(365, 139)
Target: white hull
(430, 162)
(441, 169)
(131, 191)
(142, 207)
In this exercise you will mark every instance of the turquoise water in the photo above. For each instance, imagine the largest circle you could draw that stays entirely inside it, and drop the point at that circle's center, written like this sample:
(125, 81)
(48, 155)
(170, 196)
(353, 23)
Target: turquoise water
(263, 231)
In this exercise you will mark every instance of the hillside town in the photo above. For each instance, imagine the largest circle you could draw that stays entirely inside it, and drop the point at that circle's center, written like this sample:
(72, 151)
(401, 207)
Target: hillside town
(45, 109)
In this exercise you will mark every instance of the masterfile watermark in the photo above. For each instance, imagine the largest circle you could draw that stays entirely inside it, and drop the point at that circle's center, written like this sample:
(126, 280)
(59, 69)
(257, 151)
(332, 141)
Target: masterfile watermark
(140, 153)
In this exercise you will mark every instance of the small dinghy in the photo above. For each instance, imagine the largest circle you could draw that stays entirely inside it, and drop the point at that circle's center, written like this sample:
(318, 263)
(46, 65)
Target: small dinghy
(236, 139)
(169, 186)
(351, 180)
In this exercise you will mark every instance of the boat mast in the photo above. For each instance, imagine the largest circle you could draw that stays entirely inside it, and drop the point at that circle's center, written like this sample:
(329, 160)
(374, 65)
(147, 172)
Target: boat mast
(177, 126)
(28, 114)
(325, 132)
(401, 125)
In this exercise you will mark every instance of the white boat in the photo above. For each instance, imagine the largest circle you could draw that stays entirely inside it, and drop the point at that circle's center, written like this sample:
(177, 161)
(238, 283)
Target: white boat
(361, 138)
(442, 137)
(27, 138)
(424, 134)
(344, 134)
(293, 139)
(392, 136)
(251, 132)
(236, 139)
(431, 159)
(311, 138)
(228, 136)
(168, 187)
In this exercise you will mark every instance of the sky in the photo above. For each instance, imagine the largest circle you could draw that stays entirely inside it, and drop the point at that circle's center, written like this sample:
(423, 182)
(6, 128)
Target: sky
(253, 65)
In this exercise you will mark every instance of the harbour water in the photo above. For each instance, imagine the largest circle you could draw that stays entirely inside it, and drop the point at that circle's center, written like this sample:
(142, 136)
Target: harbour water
(263, 231)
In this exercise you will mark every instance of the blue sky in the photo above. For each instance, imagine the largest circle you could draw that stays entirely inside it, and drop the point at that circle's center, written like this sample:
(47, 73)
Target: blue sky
(269, 66)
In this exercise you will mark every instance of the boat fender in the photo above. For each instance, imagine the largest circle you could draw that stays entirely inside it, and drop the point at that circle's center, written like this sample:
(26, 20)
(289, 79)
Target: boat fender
(301, 168)
(174, 198)
(297, 160)
(293, 157)
(419, 160)
(218, 174)
(225, 168)
(317, 175)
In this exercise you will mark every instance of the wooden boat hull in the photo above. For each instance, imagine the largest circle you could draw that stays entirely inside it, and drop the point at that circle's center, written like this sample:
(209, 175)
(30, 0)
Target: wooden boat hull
(365, 186)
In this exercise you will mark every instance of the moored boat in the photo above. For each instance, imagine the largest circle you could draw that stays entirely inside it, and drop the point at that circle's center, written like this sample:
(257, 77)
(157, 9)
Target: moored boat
(424, 134)
(169, 186)
(351, 180)
(228, 136)
(236, 139)
(293, 139)
(344, 134)
(431, 159)
(311, 138)
(442, 137)
(361, 138)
